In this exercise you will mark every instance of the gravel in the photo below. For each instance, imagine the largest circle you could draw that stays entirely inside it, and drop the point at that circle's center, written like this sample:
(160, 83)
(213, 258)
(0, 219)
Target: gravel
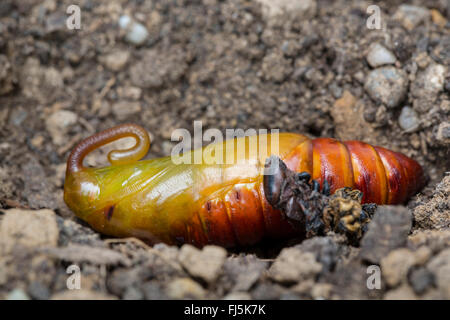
(387, 85)
(379, 55)
(136, 33)
(408, 119)
(116, 61)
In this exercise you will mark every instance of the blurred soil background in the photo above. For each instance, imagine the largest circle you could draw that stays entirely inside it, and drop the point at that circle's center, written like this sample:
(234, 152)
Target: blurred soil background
(309, 66)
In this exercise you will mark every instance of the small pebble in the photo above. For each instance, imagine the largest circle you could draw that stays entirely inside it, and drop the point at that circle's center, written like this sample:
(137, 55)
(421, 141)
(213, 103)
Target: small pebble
(116, 61)
(152, 291)
(336, 91)
(408, 119)
(38, 290)
(124, 109)
(298, 9)
(440, 267)
(395, 266)
(59, 123)
(293, 265)
(438, 18)
(136, 32)
(443, 133)
(434, 78)
(185, 288)
(133, 293)
(411, 16)
(403, 292)
(379, 55)
(421, 279)
(17, 294)
(387, 85)
(205, 264)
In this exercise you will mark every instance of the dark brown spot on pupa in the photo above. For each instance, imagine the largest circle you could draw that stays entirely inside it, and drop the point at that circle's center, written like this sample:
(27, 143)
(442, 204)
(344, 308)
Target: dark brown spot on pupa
(109, 212)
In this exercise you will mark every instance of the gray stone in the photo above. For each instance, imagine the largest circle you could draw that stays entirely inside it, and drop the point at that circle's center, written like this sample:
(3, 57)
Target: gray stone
(267, 291)
(133, 293)
(243, 272)
(408, 119)
(388, 230)
(350, 280)
(387, 85)
(152, 291)
(56, 22)
(440, 267)
(421, 279)
(326, 250)
(411, 16)
(122, 278)
(443, 133)
(427, 86)
(378, 55)
(38, 290)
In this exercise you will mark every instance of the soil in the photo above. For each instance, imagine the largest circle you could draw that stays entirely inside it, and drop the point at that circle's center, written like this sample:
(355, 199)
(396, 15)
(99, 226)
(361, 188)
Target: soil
(230, 64)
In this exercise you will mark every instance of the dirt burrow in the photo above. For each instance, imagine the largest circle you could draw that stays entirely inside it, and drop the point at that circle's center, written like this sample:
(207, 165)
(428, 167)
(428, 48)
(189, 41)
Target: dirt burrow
(237, 64)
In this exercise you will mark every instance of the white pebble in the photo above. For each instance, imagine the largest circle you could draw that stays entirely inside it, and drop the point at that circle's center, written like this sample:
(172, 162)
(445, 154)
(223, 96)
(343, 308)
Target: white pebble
(136, 32)
(378, 55)
(17, 294)
(435, 78)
